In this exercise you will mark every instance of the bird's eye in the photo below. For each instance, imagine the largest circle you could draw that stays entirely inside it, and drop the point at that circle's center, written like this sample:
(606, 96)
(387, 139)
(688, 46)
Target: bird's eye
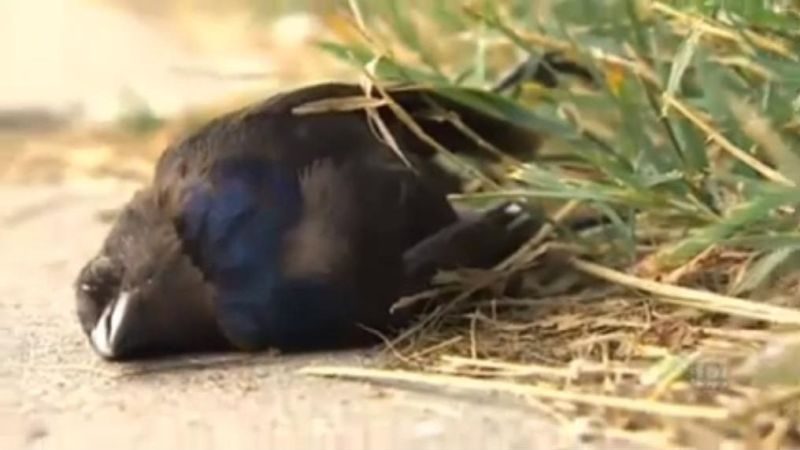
(98, 283)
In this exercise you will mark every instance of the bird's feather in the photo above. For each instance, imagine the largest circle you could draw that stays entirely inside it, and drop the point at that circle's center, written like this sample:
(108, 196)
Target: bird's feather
(265, 228)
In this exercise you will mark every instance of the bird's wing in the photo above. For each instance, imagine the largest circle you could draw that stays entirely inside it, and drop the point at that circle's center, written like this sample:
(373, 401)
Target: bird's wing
(359, 218)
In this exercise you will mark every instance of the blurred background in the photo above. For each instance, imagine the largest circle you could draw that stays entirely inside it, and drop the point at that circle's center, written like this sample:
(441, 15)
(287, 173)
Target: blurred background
(88, 82)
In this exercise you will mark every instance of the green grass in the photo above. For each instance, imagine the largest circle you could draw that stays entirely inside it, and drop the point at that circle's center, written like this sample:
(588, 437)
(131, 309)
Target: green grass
(688, 144)
(694, 130)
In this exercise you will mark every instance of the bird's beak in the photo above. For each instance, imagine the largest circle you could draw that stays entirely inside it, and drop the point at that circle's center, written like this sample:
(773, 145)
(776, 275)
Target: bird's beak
(107, 334)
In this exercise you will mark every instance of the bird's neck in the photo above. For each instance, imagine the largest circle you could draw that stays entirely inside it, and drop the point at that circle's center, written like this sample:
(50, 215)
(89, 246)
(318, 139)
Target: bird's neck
(236, 223)
(235, 227)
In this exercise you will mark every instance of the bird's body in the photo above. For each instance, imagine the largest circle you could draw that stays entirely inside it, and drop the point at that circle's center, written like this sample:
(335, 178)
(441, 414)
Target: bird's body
(266, 228)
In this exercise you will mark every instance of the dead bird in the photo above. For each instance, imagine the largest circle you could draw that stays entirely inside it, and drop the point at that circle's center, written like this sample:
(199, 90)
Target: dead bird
(271, 229)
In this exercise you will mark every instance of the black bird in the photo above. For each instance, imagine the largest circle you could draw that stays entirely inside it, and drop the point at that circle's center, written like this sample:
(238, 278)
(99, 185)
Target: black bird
(266, 228)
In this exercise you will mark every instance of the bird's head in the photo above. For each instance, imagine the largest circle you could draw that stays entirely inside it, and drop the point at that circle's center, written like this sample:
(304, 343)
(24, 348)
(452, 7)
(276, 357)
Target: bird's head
(142, 295)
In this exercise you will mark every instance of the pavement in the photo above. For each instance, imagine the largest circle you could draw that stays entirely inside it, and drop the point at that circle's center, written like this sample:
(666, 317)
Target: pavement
(63, 396)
